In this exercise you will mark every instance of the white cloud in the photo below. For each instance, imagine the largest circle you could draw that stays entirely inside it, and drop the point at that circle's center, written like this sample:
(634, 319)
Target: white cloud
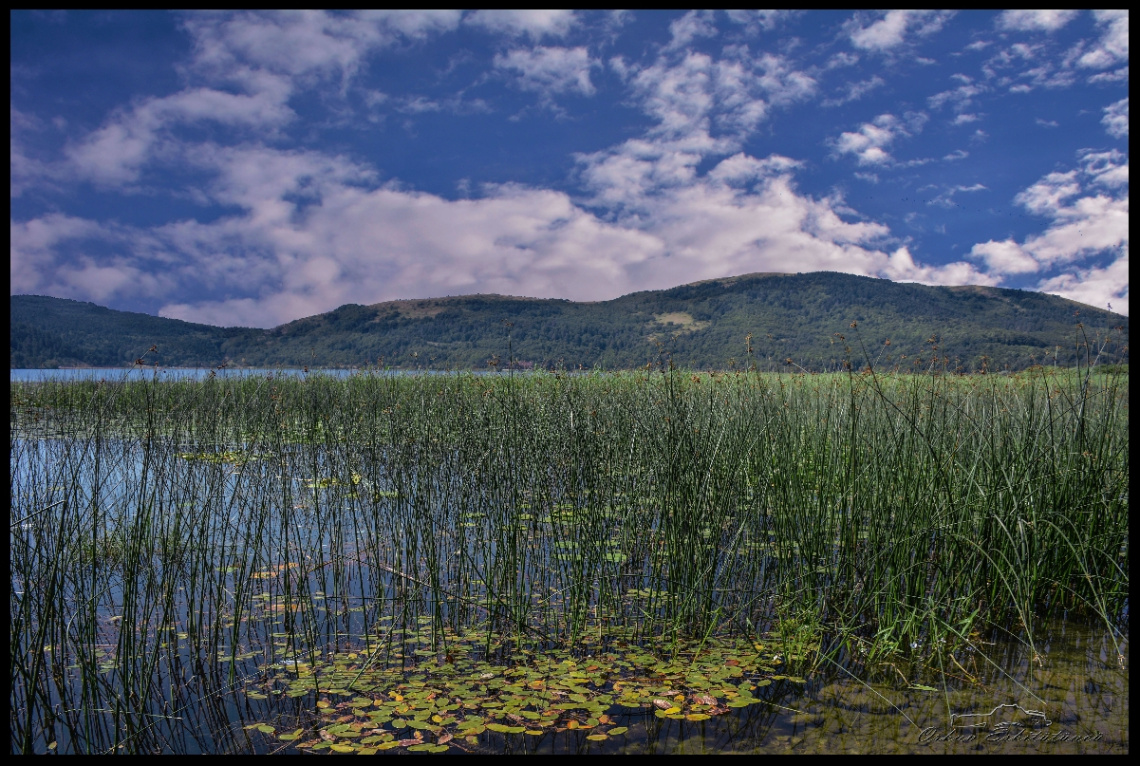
(842, 59)
(741, 168)
(265, 58)
(1047, 195)
(52, 255)
(689, 27)
(1108, 169)
(757, 21)
(32, 247)
(688, 96)
(1084, 223)
(855, 91)
(1024, 67)
(550, 70)
(301, 43)
(1115, 119)
(364, 245)
(959, 98)
(1112, 48)
(869, 142)
(536, 24)
(115, 153)
(1033, 21)
(1104, 288)
(1090, 225)
(1005, 257)
(901, 267)
(1118, 75)
(892, 29)
(315, 232)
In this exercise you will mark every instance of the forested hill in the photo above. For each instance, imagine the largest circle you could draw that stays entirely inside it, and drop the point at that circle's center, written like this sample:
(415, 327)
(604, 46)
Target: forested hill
(705, 325)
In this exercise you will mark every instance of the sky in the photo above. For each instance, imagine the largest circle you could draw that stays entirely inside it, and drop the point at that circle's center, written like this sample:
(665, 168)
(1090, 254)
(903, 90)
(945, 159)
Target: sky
(250, 169)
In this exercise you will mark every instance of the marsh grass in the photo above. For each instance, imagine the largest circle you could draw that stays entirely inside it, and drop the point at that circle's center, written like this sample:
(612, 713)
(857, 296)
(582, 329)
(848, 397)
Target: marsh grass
(171, 540)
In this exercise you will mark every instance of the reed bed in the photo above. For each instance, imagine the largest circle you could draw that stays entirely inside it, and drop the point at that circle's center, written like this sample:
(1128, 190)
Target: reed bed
(171, 540)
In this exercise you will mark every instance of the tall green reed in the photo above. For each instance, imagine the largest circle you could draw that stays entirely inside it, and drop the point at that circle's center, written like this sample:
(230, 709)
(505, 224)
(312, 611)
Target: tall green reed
(175, 535)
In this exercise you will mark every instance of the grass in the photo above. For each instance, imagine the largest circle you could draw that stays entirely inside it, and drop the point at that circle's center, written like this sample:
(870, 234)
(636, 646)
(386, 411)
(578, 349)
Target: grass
(174, 539)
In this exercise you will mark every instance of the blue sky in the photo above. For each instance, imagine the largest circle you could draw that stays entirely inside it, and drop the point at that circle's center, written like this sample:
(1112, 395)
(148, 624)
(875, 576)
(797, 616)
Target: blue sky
(251, 169)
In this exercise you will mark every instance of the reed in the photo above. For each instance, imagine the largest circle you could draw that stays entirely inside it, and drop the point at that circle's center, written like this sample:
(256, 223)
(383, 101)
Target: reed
(171, 539)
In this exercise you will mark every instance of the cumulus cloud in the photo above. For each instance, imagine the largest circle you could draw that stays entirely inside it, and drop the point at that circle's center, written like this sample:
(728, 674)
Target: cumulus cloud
(115, 153)
(1024, 67)
(1105, 287)
(1108, 169)
(1005, 257)
(1088, 212)
(356, 242)
(550, 70)
(757, 21)
(701, 106)
(740, 168)
(868, 144)
(892, 29)
(901, 267)
(1035, 21)
(255, 63)
(1112, 47)
(536, 24)
(316, 231)
(692, 95)
(304, 43)
(64, 256)
(365, 245)
(32, 246)
(689, 27)
(959, 98)
(1115, 119)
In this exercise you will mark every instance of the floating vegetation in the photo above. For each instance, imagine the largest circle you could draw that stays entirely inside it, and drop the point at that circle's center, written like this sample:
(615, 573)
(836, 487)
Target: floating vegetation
(447, 700)
(233, 457)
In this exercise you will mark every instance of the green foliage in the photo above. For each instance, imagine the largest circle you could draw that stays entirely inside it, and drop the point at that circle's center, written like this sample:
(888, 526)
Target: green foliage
(800, 317)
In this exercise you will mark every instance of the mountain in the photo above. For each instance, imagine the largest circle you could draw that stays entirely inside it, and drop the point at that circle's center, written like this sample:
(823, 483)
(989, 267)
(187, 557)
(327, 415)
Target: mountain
(704, 325)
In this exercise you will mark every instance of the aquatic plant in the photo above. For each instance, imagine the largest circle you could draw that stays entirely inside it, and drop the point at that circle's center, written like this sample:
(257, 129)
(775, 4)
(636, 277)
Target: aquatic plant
(188, 540)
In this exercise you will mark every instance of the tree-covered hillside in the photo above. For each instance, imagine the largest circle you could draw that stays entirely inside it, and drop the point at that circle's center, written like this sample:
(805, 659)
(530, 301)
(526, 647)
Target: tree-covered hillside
(761, 319)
